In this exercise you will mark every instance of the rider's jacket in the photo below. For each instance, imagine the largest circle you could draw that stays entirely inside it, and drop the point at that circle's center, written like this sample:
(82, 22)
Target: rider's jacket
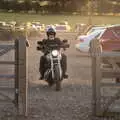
(54, 41)
(51, 42)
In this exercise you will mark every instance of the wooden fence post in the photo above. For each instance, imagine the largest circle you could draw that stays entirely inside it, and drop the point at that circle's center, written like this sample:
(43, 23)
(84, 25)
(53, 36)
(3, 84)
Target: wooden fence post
(21, 81)
(95, 51)
(16, 73)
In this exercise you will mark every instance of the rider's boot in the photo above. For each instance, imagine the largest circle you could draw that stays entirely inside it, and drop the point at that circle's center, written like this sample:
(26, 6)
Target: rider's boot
(41, 77)
(65, 76)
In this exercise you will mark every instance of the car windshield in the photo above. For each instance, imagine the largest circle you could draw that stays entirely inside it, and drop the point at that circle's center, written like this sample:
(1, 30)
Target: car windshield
(95, 34)
(94, 29)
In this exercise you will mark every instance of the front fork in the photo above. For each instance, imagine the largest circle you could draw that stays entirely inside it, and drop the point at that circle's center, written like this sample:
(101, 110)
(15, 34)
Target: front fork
(57, 63)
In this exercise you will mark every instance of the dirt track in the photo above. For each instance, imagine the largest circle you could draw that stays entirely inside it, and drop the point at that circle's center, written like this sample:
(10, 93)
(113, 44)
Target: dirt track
(74, 101)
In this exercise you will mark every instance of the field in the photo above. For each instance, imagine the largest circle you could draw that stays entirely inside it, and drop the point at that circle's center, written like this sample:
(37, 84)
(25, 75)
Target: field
(52, 19)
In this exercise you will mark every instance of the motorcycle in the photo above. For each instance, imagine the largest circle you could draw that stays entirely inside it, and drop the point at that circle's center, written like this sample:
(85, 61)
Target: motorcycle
(53, 71)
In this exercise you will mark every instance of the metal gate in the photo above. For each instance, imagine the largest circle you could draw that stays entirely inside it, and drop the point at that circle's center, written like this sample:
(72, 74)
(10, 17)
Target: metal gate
(13, 87)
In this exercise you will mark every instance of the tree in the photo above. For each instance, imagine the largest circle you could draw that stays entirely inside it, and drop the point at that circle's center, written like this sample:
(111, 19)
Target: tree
(36, 6)
(27, 5)
(57, 6)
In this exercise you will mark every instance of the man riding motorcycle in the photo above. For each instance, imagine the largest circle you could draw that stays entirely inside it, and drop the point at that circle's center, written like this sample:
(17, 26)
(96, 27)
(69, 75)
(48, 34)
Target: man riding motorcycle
(51, 39)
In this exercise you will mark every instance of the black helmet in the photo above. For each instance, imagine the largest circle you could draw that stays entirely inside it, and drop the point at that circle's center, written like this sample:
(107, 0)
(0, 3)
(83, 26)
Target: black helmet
(50, 31)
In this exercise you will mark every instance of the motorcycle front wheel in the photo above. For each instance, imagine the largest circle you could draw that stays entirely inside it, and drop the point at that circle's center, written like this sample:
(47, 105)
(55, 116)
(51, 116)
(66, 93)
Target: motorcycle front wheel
(57, 78)
(49, 79)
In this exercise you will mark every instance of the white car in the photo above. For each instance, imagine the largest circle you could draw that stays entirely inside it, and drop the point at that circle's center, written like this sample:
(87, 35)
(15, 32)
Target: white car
(38, 26)
(83, 41)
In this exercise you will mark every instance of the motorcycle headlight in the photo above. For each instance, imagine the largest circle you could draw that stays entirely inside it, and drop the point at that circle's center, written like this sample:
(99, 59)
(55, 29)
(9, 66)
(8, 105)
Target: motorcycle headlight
(54, 52)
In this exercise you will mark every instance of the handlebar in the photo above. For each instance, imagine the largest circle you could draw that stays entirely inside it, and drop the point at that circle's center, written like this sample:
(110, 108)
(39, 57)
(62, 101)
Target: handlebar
(52, 46)
(59, 46)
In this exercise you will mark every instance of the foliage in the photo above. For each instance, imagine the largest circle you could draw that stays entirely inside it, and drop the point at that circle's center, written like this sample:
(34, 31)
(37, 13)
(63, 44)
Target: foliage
(58, 6)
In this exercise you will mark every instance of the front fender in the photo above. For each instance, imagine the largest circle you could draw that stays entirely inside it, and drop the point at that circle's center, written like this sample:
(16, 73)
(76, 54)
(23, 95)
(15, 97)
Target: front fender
(57, 73)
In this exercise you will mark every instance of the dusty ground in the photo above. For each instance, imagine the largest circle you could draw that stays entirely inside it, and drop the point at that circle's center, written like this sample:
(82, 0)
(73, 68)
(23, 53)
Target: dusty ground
(72, 103)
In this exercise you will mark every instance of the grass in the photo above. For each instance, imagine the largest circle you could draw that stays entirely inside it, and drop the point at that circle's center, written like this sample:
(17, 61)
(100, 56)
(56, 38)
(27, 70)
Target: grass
(52, 19)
